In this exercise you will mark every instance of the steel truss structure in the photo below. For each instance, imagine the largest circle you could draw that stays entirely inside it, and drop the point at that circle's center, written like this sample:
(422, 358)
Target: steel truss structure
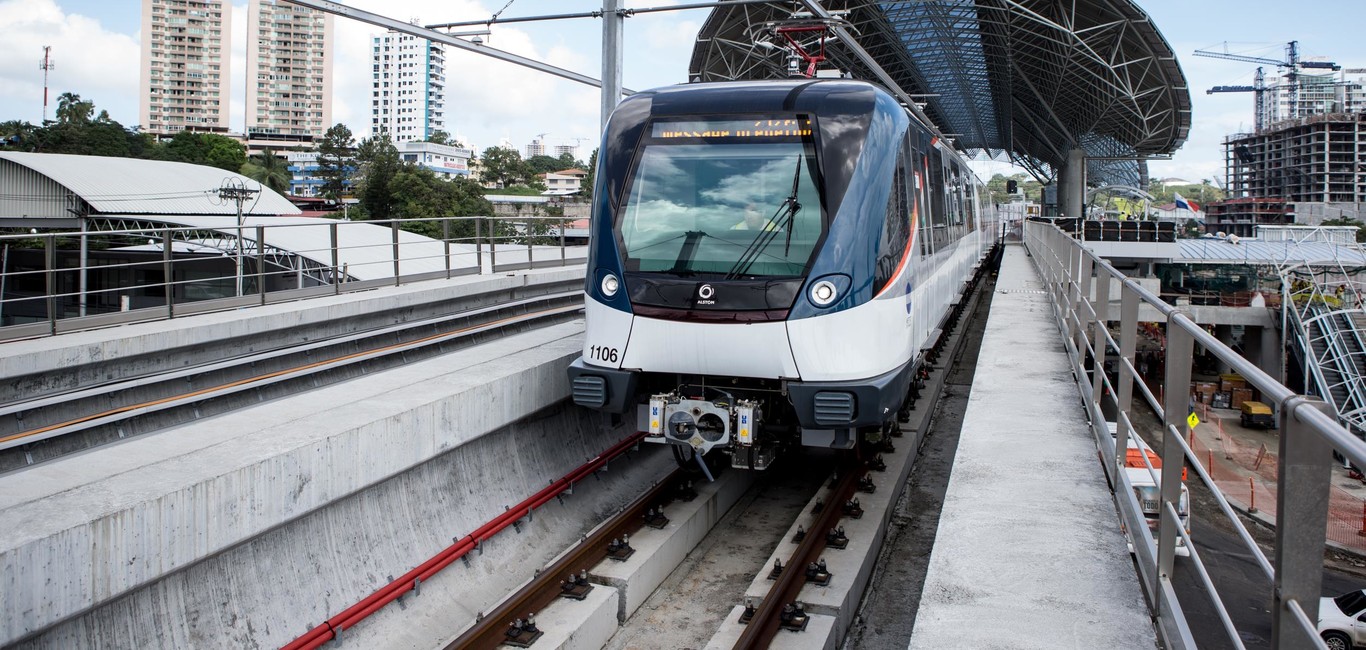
(225, 241)
(1029, 78)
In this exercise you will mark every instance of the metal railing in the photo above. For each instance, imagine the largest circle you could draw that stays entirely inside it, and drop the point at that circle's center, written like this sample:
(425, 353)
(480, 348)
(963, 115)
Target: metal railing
(121, 271)
(1309, 434)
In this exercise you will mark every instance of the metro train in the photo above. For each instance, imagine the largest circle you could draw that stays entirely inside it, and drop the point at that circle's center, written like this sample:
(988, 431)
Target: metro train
(767, 259)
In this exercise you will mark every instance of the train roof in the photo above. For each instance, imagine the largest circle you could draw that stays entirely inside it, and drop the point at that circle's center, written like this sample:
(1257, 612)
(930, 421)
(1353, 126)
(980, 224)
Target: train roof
(819, 96)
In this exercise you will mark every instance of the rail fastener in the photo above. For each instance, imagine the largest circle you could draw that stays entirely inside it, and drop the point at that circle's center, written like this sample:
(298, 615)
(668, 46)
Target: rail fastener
(836, 538)
(852, 509)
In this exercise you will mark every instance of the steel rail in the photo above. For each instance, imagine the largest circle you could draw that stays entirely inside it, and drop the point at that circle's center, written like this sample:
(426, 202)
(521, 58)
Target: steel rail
(127, 411)
(786, 588)
(413, 579)
(490, 631)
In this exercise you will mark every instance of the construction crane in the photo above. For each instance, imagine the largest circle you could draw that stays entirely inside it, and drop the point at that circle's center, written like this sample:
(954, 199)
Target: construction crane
(1292, 65)
(1258, 101)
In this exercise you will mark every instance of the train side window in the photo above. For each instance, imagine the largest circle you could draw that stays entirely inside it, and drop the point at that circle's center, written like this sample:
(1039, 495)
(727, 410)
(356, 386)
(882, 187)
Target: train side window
(896, 227)
(938, 196)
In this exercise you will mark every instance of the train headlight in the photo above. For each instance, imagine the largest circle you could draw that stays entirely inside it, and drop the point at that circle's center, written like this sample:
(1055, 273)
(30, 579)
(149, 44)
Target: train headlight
(610, 285)
(823, 293)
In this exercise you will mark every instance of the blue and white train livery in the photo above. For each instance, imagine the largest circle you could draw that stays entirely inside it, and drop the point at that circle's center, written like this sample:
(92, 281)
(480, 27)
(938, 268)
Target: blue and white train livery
(767, 260)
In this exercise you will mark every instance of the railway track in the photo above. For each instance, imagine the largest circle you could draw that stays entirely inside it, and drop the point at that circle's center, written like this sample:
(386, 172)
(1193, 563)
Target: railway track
(62, 422)
(808, 575)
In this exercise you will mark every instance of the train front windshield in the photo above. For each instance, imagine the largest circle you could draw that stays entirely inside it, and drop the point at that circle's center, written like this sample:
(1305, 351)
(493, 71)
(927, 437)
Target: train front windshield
(724, 198)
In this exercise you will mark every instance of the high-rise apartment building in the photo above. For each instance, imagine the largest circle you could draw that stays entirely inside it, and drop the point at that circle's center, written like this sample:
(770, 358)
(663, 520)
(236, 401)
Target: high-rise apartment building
(1319, 94)
(186, 48)
(408, 90)
(289, 74)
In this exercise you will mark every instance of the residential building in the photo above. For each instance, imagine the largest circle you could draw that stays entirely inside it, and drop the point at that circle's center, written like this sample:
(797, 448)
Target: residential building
(563, 182)
(408, 89)
(1319, 93)
(289, 75)
(536, 148)
(562, 149)
(445, 160)
(185, 73)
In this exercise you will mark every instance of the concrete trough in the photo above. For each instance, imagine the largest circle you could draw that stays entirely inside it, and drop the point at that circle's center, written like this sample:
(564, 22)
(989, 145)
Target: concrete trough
(660, 551)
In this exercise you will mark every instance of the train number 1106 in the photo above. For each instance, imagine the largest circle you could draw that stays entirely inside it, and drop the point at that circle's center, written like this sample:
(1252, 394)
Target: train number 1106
(603, 353)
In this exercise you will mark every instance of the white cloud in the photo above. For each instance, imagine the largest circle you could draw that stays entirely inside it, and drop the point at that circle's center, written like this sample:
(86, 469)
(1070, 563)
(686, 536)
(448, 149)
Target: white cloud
(91, 61)
(486, 99)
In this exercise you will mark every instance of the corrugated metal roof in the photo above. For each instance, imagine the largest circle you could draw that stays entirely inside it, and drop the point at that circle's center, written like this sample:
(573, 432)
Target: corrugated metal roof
(136, 186)
(1254, 251)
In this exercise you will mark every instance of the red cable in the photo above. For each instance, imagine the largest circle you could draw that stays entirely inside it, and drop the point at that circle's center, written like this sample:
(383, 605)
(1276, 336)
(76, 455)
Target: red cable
(354, 614)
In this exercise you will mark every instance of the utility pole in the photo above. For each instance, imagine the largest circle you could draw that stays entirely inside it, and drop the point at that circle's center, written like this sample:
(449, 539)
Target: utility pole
(45, 65)
(233, 190)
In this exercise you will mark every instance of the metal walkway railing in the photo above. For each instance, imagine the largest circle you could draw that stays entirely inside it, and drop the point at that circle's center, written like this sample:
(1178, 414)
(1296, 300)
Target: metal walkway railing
(1081, 286)
(130, 269)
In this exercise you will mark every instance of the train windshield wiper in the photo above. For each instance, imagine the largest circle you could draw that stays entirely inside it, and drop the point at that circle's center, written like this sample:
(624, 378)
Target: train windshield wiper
(784, 219)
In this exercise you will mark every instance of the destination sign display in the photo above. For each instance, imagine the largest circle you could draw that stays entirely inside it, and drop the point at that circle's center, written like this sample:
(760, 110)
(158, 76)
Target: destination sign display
(734, 129)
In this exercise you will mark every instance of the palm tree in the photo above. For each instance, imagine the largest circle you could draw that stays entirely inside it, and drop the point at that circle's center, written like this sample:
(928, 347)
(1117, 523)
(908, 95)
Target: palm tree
(270, 170)
(70, 108)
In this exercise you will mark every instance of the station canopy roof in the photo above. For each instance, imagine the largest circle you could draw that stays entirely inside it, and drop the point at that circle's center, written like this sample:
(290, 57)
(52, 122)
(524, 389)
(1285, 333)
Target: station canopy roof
(126, 186)
(1028, 78)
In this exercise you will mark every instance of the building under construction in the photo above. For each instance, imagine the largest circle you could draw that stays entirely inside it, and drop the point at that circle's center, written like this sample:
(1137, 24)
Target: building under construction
(1313, 168)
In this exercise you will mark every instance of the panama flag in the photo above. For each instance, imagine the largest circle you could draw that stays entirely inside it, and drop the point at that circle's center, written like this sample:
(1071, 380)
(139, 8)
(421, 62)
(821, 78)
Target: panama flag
(1182, 203)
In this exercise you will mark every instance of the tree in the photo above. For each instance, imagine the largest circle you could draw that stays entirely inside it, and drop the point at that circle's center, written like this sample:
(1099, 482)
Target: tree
(70, 109)
(17, 135)
(336, 160)
(544, 164)
(419, 196)
(568, 161)
(586, 186)
(377, 162)
(439, 137)
(503, 167)
(270, 170)
(207, 149)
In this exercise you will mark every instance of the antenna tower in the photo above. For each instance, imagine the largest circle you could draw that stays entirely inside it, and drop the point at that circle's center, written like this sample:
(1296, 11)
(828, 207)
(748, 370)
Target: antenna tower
(45, 65)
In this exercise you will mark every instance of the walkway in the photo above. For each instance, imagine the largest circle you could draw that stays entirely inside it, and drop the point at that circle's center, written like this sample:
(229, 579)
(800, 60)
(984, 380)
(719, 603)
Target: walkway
(1029, 553)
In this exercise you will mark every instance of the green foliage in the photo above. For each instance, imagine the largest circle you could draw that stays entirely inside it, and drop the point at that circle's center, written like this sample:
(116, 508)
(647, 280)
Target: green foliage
(336, 160)
(1031, 189)
(377, 163)
(439, 137)
(1361, 228)
(503, 167)
(207, 149)
(70, 109)
(83, 139)
(515, 190)
(419, 195)
(270, 170)
(75, 133)
(586, 187)
(544, 164)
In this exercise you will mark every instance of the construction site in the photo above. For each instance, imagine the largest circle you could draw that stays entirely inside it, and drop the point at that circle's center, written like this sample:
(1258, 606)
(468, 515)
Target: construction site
(1305, 161)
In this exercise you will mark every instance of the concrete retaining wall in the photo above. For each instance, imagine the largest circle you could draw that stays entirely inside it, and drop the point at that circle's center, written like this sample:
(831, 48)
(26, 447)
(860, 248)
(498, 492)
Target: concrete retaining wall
(80, 532)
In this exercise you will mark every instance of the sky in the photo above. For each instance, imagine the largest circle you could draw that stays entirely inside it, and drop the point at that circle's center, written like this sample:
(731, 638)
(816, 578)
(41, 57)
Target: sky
(95, 49)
